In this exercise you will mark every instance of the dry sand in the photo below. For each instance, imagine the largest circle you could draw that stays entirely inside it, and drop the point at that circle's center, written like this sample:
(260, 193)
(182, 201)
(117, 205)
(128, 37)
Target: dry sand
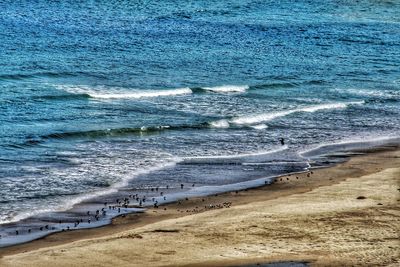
(317, 219)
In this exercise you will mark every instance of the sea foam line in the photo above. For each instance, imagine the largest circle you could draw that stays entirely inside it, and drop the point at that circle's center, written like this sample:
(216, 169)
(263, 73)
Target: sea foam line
(228, 88)
(244, 155)
(358, 142)
(141, 94)
(270, 116)
(101, 92)
(265, 117)
(113, 93)
(368, 92)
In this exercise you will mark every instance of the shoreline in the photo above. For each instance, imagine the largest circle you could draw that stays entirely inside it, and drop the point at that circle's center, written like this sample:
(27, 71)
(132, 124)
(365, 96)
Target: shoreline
(289, 186)
(333, 158)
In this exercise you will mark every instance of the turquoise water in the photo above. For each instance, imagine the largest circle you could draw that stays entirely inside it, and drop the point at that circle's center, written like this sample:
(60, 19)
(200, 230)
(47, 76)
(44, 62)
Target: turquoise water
(101, 98)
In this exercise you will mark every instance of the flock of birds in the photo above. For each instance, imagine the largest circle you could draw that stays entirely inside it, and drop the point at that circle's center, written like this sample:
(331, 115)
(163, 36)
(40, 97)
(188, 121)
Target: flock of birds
(139, 202)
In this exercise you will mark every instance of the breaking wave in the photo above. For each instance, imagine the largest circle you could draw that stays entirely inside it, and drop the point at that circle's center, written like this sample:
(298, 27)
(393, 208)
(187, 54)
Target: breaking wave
(101, 92)
(265, 117)
(116, 93)
(227, 88)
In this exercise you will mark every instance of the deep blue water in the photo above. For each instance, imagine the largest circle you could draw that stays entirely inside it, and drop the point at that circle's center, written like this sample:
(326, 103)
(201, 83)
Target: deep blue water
(104, 97)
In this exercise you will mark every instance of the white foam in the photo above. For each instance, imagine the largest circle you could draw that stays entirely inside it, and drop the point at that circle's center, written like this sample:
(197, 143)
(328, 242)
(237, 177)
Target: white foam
(142, 94)
(253, 154)
(253, 119)
(260, 126)
(228, 88)
(220, 124)
(372, 93)
(124, 182)
(70, 202)
(24, 215)
(260, 118)
(361, 140)
(119, 93)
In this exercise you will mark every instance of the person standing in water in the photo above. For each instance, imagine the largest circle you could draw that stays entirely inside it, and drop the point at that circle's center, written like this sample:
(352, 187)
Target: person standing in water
(282, 141)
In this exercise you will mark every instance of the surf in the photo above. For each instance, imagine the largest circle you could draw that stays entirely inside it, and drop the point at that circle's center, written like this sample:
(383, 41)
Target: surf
(118, 93)
(110, 93)
(258, 119)
(227, 88)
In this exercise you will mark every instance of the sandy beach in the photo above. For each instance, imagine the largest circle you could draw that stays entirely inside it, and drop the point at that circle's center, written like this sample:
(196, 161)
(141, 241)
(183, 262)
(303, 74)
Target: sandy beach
(338, 216)
(199, 133)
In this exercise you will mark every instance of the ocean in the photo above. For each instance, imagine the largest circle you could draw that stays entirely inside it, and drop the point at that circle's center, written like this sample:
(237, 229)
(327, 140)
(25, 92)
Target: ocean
(121, 100)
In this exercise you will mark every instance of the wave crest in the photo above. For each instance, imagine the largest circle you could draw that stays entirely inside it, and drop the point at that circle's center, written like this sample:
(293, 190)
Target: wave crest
(227, 88)
(112, 93)
(142, 94)
(101, 92)
(220, 124)
(265, 117)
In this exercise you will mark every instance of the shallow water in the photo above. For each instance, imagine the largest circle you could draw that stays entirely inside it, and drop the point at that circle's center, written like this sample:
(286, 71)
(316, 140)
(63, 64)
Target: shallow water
(111, 98)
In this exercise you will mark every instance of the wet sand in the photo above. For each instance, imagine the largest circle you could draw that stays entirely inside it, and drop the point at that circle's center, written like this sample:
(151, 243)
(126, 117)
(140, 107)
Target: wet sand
(344, 215)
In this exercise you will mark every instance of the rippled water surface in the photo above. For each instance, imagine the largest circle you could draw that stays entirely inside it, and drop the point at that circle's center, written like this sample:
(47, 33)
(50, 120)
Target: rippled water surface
(115, 98)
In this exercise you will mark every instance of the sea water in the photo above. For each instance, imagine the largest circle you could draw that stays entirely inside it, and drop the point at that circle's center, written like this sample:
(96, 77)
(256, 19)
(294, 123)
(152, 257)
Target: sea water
(102, 100)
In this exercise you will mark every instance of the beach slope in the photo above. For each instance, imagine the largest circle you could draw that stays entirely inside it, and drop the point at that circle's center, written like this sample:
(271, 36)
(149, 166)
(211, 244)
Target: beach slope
(345, 215)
